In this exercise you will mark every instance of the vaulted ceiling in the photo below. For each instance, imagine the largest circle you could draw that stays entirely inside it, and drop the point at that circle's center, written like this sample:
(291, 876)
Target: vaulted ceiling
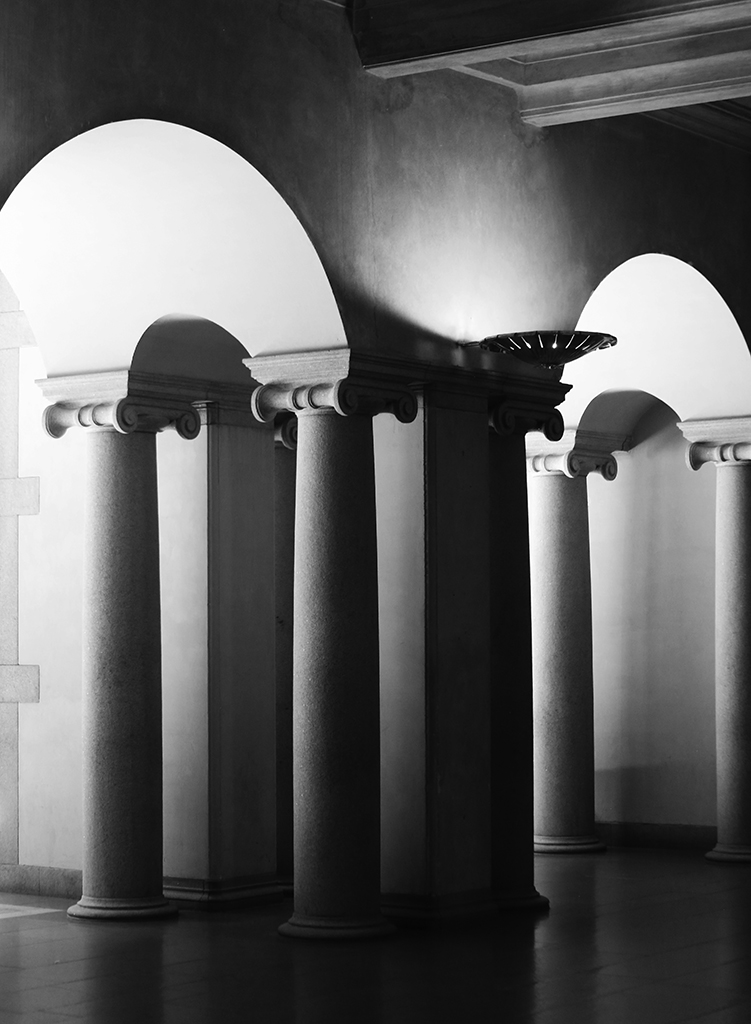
(687, 61)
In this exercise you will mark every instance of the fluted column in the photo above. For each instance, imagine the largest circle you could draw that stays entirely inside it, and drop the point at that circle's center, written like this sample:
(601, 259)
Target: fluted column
(122, 710)
(727, 444)
(336, 731)
(562, 649)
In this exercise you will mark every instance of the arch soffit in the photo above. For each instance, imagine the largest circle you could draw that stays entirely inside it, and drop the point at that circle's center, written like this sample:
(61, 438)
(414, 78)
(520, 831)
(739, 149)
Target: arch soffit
(136, 218)
(677, 340)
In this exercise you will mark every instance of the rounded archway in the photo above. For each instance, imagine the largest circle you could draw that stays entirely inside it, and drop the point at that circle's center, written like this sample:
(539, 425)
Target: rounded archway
(648, 551)
(651, 534)
(677, 340)
(138, 219)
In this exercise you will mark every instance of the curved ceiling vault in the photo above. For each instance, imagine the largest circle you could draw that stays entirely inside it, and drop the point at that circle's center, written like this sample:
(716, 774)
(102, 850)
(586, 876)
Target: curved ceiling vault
(677, 340)
(140, 219)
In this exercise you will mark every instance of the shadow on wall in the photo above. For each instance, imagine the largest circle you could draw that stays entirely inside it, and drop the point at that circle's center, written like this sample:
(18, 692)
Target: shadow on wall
(179, 345)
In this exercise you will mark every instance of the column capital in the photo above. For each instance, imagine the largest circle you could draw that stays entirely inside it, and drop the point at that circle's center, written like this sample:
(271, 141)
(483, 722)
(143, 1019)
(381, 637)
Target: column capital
(576, 453)
(285, 432)
(518, 415)
(724, 442)
(346, 397)
(309, 382)
(519, 398)
(114, 401)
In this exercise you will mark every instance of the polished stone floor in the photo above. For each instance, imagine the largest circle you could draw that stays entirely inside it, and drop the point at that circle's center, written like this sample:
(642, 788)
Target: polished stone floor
(633, 937)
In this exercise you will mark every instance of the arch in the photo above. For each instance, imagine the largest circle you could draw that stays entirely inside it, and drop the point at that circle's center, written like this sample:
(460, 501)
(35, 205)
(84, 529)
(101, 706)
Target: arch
(137, 217)
(677, 339)
(617, 414)
(181, 345)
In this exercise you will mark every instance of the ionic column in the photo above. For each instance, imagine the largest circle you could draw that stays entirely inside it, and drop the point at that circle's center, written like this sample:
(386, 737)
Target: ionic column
(122, 708)
(336, 731)
(727, 444)
(562, 647)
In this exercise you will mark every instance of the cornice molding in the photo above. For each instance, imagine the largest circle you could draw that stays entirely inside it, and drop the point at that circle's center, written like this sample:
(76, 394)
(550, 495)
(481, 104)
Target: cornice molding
(352, 382)
(588, 62)
(491, 376)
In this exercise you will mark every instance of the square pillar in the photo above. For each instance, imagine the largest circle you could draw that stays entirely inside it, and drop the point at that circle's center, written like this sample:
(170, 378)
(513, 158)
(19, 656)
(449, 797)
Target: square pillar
(217, 516)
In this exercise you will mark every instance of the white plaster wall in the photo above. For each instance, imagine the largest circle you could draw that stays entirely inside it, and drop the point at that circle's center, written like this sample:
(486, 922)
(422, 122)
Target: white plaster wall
(50, 602)
(652, 550)
(50, 614)
(183, 505)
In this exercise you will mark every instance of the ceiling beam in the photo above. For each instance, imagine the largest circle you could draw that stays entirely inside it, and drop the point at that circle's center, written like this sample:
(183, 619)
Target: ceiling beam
(594, 58)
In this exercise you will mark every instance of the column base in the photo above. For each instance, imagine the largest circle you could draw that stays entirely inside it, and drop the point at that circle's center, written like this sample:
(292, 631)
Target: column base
(424, 911)
(96, 908)
(568, 844)
(531, 901)
(300, 927)
(208, 894)
(729, 854)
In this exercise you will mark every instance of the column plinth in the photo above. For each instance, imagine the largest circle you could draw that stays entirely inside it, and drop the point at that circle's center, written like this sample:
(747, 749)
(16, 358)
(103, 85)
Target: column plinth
(562, 648)
(727, 444)
(122, 704)
(335, 717)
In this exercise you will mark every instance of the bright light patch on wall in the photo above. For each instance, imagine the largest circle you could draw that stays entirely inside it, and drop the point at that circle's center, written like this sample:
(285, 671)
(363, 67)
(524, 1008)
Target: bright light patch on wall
(139, 219)
(677, 340)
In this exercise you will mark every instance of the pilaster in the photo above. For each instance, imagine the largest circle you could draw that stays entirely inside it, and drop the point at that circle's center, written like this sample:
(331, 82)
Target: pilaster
(511, 766)
(216, 499)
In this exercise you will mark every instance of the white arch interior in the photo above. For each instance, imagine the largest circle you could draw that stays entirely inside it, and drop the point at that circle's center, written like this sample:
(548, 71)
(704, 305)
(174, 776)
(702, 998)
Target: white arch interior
(138, 219)
(652, 534)
(677, 339)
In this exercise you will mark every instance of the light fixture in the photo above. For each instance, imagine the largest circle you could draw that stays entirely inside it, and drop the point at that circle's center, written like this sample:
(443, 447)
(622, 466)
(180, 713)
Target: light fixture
(550, 349)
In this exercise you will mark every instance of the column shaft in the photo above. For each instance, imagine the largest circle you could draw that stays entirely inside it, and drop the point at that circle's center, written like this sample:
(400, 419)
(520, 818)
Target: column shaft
(336, 739)
(284, 559)
(562, 665)
(733, 662)
(512, 862)
(122, 712)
